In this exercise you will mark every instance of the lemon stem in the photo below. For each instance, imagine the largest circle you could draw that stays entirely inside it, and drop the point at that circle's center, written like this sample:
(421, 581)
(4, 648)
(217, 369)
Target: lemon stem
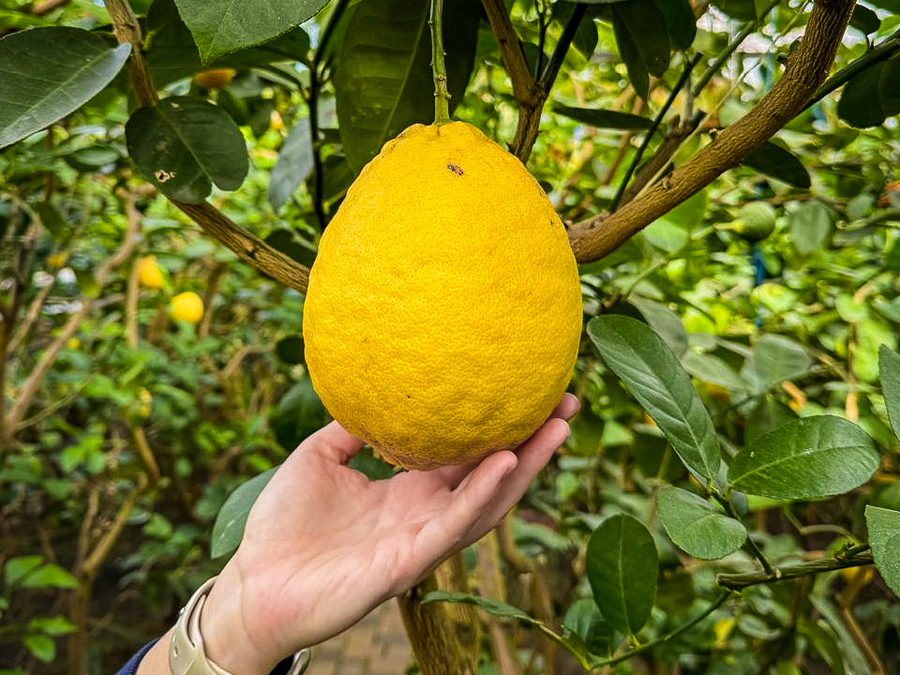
(438, 69)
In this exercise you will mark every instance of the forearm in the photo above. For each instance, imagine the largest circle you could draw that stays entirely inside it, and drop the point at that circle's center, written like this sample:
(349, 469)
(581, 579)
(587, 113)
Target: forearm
(156, 661)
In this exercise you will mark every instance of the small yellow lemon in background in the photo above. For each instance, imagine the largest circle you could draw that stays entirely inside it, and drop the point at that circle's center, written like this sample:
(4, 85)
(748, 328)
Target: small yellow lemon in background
(57, 261)
(149, 272)
(216, 78)
(443, 314)
(187, 307)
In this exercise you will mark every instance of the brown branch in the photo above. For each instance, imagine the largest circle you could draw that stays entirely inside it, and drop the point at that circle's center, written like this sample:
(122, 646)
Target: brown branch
(527, 90)
(34, 309)
(491, 585)
(32, 384)
(47, 6)
(806, 69)
(212, 287)
(249, 248)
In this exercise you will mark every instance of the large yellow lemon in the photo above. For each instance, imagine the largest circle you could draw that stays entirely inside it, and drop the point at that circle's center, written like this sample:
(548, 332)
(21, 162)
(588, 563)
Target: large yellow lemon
(443, 313)
(187, 307)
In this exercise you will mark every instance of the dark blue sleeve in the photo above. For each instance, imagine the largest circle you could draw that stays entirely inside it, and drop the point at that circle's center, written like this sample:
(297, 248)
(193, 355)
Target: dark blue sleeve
(131, 667)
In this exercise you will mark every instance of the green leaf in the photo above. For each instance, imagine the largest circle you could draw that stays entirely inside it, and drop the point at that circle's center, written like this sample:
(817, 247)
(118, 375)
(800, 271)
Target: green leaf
(709, 368)
(228, 529)
(810, 226)
(295, 161)
(889, 369)
(384, 83)
(865, 19)
(681, 24)
(664, 322)
(51, 72)
(634, 62)
(775, 359)
(884, 536)
(622, 569)
(697, 527)
(809, 458)
(51, 219)
(41, 646)
(871, 96)
(374, 468)
(49, 575)
(223, 26)
(493, 607)
(18, 567)
(773, 160)
(603, 119)
(870, 336)
(56, 625)
(657, 380)
(647, 28)
(172, 53)
(182, 145)
(289, 350)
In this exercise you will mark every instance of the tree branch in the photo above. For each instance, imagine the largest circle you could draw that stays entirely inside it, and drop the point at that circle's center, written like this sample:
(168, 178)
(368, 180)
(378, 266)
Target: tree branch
(806, 69)
(529, 94)
(737, 582)
(249, 248)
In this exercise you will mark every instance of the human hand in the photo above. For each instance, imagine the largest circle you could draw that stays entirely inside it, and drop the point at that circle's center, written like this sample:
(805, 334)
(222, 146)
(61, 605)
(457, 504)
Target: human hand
(323, 545)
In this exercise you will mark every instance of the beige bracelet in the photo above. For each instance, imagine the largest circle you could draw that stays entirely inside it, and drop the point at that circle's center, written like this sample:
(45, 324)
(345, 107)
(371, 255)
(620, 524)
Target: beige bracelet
(187, 655)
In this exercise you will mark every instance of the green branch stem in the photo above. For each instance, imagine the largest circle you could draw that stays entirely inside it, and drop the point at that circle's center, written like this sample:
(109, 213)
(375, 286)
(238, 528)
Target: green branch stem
(854, 557)
(438, 69)
(752, 545)
(548, 76)
(652, 644)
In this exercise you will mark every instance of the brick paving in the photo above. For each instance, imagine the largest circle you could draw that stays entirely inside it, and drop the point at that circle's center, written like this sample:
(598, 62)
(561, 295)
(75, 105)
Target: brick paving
(377, 645)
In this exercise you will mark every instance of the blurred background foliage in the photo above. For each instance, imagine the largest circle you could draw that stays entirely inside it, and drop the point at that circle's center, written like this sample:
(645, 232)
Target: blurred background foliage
(127, 427)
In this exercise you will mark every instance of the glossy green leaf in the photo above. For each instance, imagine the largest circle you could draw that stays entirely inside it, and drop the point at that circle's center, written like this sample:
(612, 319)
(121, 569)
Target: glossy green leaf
(183, 145)
(603, 119)
(52, 219)
(697, 527)
(774, 359)
(50, 72)
(384, 83)
(228, 529)
(865, 19)
(622, 568)
(870, 336)
(809, 458)
(884, 537)
(634, 62)
(647, 28)
(889, 370)
(223, 26)
(52, 625)
(681, 24)
(49, 575)
(657, 380)
(172, 53)
(872, 96)
(295, 161)
(775, 161)
(665, 322)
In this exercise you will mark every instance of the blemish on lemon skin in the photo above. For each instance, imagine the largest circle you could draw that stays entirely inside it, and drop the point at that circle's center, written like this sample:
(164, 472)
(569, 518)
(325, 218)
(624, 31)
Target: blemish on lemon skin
(455, 169)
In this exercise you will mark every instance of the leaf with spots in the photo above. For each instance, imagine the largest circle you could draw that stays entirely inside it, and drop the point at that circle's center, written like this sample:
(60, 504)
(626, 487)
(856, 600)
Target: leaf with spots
(183, 145)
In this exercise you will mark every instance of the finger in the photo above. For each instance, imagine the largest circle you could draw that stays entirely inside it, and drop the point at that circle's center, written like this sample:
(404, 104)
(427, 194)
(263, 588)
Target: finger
(443, 534)
(567, 407)
(334, 443)
(533, 457)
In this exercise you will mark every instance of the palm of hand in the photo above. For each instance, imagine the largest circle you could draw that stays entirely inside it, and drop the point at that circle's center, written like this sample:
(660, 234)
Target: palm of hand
(323, 545)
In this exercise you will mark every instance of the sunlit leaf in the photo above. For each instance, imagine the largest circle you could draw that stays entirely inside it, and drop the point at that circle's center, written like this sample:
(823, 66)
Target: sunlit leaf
(697, 527)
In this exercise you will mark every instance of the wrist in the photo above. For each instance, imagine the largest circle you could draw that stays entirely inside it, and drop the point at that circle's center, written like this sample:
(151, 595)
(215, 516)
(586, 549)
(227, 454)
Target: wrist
(229, 640)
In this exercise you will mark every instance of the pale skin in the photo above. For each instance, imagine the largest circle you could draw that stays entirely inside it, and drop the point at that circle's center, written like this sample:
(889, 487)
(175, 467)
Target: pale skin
(323, 545)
